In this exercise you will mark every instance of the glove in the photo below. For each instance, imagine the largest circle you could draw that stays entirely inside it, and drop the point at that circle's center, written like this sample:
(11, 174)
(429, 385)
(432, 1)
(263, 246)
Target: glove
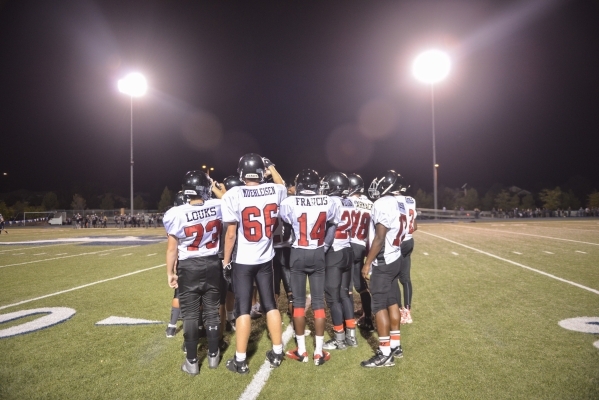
(267, 162)
(227, 273)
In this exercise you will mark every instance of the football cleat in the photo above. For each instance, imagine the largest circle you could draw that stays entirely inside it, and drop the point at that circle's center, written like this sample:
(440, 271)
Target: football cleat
(397, 352)
(230, 326)
(213, 360)
(294, 355)
(274, 358)
(321, 359)
(379, 360)
(365, 324)
(350, 337)
(190, 367)
(334, 344)
(240, 367)
(171, 331)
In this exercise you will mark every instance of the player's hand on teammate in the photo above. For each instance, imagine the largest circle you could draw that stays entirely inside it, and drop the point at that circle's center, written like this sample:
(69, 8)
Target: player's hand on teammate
(218, 189)
(172, 281)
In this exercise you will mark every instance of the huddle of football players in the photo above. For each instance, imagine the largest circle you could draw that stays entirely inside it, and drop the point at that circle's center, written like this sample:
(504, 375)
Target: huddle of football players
(252, 232)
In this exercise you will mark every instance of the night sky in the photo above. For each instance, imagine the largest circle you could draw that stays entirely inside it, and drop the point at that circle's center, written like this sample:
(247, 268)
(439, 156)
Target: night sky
(320, 84)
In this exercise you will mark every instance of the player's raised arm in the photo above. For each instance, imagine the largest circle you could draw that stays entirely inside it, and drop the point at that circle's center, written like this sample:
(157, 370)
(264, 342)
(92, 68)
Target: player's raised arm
(271, 170)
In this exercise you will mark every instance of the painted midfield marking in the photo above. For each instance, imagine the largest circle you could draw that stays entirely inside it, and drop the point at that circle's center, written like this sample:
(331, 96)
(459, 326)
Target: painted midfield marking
(583, 252)
(81, 287)
(515, 252)
(515, 263)
(548, 252)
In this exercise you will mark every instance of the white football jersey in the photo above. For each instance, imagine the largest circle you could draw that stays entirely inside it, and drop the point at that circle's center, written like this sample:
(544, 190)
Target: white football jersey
(308, 215)
(410, 205)
(360, 217)
(344, 227)
(255, 209)
(196, 227)
(390, 213)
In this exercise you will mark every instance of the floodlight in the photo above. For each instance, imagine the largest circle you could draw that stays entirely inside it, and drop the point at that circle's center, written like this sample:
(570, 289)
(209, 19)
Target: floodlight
(134, 85)
(432, 66)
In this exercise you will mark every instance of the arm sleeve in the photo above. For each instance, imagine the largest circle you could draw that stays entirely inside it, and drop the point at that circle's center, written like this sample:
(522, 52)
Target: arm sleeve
(329, 236)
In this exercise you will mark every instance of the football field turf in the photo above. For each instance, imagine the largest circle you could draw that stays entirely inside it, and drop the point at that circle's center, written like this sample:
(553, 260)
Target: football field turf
(488, 301)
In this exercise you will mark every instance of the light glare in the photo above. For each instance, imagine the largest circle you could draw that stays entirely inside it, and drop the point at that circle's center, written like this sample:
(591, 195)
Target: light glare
(134, 85)
(432, 66)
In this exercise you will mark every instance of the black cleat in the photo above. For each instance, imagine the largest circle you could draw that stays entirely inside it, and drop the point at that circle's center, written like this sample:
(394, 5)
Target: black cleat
(379, 360)
(397, 352)
(274, 358)
(240, 367)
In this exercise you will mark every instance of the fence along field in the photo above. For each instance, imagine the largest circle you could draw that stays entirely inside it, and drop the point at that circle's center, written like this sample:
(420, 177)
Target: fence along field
(501, 310)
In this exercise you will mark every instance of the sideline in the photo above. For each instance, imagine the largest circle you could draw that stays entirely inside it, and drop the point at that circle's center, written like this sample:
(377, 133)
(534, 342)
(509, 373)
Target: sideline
(252, 391)
(34, 247)
(74, 255)
(515, 263)
(530, 234)
(81, 287)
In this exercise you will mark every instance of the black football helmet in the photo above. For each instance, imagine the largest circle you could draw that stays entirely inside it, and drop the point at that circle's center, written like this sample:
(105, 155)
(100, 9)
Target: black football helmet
(307, 182)
(197, 183)
(251, 166)
(356, 184)
(335, 184)
(403, 186)
(232, 181)
(389, 183)
(180, 198)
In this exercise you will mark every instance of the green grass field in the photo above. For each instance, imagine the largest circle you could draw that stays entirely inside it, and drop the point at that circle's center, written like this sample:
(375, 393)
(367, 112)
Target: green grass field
(487, 301)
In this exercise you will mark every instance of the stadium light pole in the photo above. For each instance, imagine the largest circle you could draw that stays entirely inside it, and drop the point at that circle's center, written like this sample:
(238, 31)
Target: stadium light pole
(430, 67)
(133, 85)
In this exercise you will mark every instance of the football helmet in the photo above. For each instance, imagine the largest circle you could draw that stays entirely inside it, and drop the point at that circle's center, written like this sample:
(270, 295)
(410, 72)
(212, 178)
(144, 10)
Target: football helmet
(335, 184)
(307, 182)
(389, 183)
(180, 198)
(403, 186)
(232, 181)
(197, 183)
(251, 166)
(356, 184)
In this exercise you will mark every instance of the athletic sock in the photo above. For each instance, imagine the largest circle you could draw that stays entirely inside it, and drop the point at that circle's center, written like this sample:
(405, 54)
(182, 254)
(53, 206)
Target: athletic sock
(301, 344)
(230, 315)
(319, 343)
(277, 348)
(366, 304)
(213, 336)
(175, 312)
(239, 356)
(395, 339)
(385, 345)
(172, 325)
(350, 323)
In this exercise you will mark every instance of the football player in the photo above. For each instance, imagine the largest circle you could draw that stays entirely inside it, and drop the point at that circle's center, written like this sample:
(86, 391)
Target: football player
(407, 246)
(309, 214)
(194, 231)
(359, 236)
(382, 265)
(339, 260)
(171, 329)
(2, 224)
(251, 212)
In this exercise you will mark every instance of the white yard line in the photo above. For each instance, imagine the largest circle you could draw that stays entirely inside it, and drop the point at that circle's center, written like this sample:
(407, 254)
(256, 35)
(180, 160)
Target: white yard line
(18, 254)
(153, 254)
(530, 234)
(252, 390)
(34, 247)
(80, 287)
(74, 255)
(515, 263)
(454, 253)
(39, 254)
(426, 254)
(583, 252)
(125, 255)
(548, 252)
(61, 254)
(515, 252)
